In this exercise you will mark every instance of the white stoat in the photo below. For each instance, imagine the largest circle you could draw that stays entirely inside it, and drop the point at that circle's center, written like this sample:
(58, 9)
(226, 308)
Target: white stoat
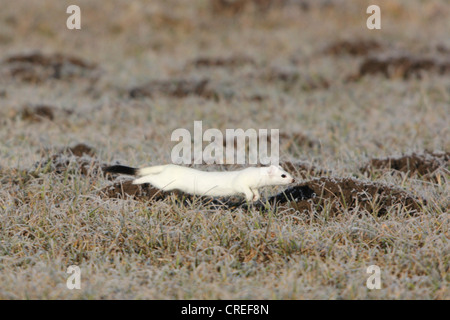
(206, 183)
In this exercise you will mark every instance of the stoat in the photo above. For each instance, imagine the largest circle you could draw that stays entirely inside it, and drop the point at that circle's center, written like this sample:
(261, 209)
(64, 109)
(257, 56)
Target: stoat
(208, 183)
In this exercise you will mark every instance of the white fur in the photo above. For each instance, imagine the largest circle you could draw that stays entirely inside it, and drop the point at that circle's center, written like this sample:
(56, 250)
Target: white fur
(215, 184)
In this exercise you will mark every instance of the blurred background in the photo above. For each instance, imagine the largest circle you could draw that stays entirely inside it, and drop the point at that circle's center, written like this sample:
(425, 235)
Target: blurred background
(137, 70)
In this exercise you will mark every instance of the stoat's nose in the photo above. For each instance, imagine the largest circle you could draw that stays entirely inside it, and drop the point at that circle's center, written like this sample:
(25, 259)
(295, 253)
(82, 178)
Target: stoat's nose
(293, 180)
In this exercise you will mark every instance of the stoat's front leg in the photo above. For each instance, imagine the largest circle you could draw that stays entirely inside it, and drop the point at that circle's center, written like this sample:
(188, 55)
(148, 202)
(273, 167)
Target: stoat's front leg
(255, 194)
(249, 194)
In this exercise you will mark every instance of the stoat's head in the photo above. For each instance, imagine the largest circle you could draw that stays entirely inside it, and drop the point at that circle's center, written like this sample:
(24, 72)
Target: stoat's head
(275, 175)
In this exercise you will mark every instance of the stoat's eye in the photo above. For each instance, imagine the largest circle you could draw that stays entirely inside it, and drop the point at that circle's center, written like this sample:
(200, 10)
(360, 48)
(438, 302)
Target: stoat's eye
(283, 176)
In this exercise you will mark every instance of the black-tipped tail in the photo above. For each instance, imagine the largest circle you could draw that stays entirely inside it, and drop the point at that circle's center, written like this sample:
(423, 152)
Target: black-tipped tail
(121, 170)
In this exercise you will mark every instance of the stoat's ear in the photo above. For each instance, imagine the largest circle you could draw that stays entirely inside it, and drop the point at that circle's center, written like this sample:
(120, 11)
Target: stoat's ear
(272, 170)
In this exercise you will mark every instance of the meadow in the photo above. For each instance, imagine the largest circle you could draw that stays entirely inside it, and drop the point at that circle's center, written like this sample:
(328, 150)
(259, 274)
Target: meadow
(364, 126)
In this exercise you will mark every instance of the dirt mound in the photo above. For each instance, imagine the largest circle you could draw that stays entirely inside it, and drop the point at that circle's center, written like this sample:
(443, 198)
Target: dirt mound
(178, 88)
(38, 67)
(403, 66)
(240, 6)
(37, 113)
(358, 47)
(441, 48)
(290, 78)
(80, 150)
(256, 97)
(71, 161)
(234, 7)
(227, 62)
(76, 159)
(124, 189)
(339, 194)
(425, 164)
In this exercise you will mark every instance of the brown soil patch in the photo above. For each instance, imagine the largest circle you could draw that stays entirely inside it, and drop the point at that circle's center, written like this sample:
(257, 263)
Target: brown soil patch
(38, 67)
(256, 97)
(359, 47)
(340, 194)
(38, 113)
(234, 7)
(178, 88)
(403, 66)
(441, 48)
(80, 150)
(227, 62)
(291, 78)
(426, 165)
(124, 189)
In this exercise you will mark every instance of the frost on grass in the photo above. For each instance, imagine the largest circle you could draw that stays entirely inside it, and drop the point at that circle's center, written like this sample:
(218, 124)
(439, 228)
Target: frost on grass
(54, 214)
